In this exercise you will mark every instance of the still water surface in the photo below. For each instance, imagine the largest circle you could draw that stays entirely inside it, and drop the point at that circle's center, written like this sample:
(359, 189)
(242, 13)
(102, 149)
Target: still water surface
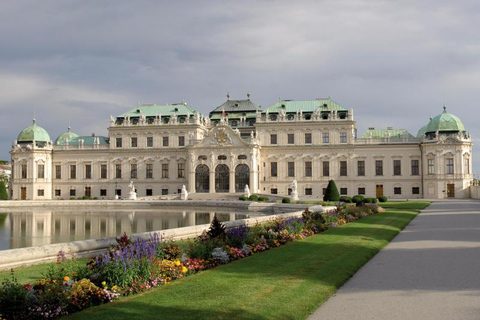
(28, 228)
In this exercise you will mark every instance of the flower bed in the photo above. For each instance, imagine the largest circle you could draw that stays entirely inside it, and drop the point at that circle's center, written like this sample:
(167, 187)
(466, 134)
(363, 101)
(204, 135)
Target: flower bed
(136, 266)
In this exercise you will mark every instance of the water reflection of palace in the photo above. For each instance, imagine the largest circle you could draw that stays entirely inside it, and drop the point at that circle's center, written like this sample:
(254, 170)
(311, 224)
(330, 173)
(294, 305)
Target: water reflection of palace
(42, 227)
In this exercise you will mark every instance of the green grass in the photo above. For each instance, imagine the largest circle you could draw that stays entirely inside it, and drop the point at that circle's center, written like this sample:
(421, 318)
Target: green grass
(29, 274)
(285, 283)
(409, 205)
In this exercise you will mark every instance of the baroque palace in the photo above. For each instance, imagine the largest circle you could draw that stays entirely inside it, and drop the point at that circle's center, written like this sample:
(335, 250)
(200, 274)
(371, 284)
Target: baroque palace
(161, 148)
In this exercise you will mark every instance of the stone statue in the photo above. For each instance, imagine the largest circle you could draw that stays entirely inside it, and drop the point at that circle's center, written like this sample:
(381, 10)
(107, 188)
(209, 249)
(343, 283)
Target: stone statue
(294, 186)
(132, 195)
(247, 191)
(184, 193)
(294, 194)
(237, 132)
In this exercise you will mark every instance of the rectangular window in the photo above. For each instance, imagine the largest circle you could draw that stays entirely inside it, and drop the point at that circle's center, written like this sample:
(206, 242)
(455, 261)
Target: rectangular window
(58, 171)
(397, 167)
(164, 192)
(415, 190)
(379, 167)
(397, 190)
(343, 191)
(88, 171)
(103, 192)
(415, 168)
(149, 172)
(343, 137)
(273, 169)
(133, 170)
(308, 191)
(165, 170)
(165, 141)
(291, 138)
(118, 142)
(88, 191)
(41, 171)
(149, 192)
(291, 169)
(323, 191)
(103, 171)
(273, 139)
(467, 165)
(24, 171)
(274, 191)
(181, 170)
(308, 169)
(361, 167)
(58, 193)
(450, 166)
(118, 171)
(73, 171)
(181, 141)
(361, 190)
(343, 168)
(325, 137)
(40, 192)
(149, 142)
(308, 138)
(431, 166)
(73, 192)
(326, 168)
(134, 142)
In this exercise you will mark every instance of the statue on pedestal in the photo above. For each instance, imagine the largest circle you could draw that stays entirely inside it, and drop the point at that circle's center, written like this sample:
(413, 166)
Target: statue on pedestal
(184, 193)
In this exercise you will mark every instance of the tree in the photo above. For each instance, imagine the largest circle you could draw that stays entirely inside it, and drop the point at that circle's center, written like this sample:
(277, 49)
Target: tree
(217, 229)
(3, 191)
(331, 194)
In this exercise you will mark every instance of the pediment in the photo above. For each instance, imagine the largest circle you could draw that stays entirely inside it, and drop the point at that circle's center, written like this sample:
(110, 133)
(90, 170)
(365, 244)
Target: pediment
(222, 136)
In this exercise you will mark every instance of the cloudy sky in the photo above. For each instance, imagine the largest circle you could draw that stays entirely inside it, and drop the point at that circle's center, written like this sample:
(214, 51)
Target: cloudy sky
(396, 63)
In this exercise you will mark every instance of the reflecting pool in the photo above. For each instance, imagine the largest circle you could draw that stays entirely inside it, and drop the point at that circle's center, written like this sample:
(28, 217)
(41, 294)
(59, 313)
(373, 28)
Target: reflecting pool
(28, 228)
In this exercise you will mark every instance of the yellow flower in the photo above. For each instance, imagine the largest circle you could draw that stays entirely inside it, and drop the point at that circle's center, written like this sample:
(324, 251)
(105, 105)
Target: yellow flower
(104, 283)
(184, 270)
(177, 262)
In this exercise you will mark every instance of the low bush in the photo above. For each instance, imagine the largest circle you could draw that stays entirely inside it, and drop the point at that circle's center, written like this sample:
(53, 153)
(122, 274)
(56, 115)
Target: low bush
(367, 200)
(253, 197)
(358, 198)
(346, 199)
(286, 200)
(263, 198)
(382, 199)
(243, 198)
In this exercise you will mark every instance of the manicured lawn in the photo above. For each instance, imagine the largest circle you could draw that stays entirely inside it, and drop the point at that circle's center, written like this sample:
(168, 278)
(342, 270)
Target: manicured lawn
(284, 283)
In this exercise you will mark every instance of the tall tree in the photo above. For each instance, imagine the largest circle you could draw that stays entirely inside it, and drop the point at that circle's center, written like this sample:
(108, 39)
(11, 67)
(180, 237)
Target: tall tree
(3, 191)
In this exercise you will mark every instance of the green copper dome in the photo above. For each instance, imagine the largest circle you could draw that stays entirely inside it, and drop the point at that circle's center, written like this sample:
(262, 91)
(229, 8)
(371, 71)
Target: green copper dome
(33, 133)
(67, 136)
(445, 122)
(422, 131)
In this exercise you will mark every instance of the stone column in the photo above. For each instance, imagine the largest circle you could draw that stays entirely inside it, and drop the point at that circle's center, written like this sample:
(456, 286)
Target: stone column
(231, 181)
(212, 181)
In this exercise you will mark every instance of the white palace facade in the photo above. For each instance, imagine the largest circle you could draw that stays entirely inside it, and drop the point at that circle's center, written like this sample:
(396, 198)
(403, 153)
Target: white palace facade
(163, 147)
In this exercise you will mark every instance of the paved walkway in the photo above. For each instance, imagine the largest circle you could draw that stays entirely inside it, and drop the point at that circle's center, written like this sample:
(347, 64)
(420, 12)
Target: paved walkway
(431, 270)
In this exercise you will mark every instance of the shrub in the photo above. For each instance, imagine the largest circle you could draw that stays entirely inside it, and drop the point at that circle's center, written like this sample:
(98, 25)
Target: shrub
(367, 200)
(382, 199)
(331, 193)
(253, 197)
(221, 255)
(286, 200)
(243, 198)
(374, 200)
(263, 198)
(199, 249)
(217, 229)
(346, 199)
(314, 221)
(171, 250)
(358, 198)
